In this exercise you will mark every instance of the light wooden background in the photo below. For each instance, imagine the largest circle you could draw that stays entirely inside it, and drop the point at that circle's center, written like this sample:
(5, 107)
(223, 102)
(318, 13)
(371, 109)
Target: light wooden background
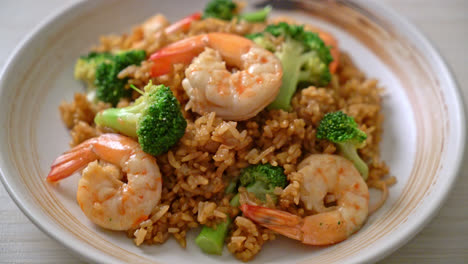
(445, 239)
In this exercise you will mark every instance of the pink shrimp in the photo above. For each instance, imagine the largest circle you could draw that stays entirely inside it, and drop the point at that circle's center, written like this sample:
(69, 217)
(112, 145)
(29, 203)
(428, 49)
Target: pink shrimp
(211, 87)
(183, 24)
(322, 174)
(103, 197)
(157, 23)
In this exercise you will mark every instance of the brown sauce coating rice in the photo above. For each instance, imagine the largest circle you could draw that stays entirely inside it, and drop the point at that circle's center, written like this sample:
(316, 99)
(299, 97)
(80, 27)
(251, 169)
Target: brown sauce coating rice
(196, 170)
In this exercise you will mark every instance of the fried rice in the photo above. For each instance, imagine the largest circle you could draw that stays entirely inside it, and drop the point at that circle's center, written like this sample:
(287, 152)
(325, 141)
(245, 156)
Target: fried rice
(196, 170)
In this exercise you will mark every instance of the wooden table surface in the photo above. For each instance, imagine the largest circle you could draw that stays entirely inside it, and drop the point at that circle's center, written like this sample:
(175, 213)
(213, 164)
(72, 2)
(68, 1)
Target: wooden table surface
(445, 239)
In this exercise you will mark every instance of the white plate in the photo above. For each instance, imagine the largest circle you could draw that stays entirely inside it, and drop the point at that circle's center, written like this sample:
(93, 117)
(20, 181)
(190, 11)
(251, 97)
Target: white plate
(423, 139)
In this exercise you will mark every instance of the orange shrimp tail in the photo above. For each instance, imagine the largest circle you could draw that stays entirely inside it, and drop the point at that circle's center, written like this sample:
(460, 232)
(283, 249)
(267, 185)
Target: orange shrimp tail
(185, 50)
(336, 60)
(179, 52)
(70, 162)
(282, 222)
(183, 24)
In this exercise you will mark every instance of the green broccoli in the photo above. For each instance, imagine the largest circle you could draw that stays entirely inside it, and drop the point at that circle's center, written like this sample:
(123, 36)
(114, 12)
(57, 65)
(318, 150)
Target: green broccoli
(260, 180)
(232, 186)
(226, 10)
(342, 130)
(303, 55)
(155, 119)
(99, 71)
(109, 88)
(85, 69)
(257, 16)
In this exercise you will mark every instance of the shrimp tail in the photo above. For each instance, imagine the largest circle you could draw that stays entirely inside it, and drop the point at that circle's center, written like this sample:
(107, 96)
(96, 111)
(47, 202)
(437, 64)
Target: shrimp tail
(179, 52)
(279, 221)
(185, 50)
(183, 24)
(70, 162)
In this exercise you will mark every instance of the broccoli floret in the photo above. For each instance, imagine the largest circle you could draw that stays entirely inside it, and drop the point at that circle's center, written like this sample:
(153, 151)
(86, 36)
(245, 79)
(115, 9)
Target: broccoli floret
(226, 10)
(85, 68)
(261, 180)
(303, 55)
(109, 88)
(99, 71)
(264, 173)
(155, 119)
(342, 130)
(127, 58)
(221, 9)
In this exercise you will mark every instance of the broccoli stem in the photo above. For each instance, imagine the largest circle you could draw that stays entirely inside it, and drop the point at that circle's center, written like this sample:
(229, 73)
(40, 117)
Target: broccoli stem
(290, 57)
(231, 188)
(349, 151)
(235, 201)
(211, 240)
(121, 119)
(258, 16)
(307, 75)
(259, 189)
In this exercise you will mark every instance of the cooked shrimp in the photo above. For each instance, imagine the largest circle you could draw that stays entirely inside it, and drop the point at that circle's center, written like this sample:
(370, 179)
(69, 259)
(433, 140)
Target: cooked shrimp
(103, 197)
(322, 174)
(327, 38)
(183, 25)
(154, 24)
(211, 87)
(158, 24)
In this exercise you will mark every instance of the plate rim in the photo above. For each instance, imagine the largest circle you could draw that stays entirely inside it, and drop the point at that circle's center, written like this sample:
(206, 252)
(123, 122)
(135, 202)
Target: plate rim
(427, 215)
(399, 239)
(77, 250)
